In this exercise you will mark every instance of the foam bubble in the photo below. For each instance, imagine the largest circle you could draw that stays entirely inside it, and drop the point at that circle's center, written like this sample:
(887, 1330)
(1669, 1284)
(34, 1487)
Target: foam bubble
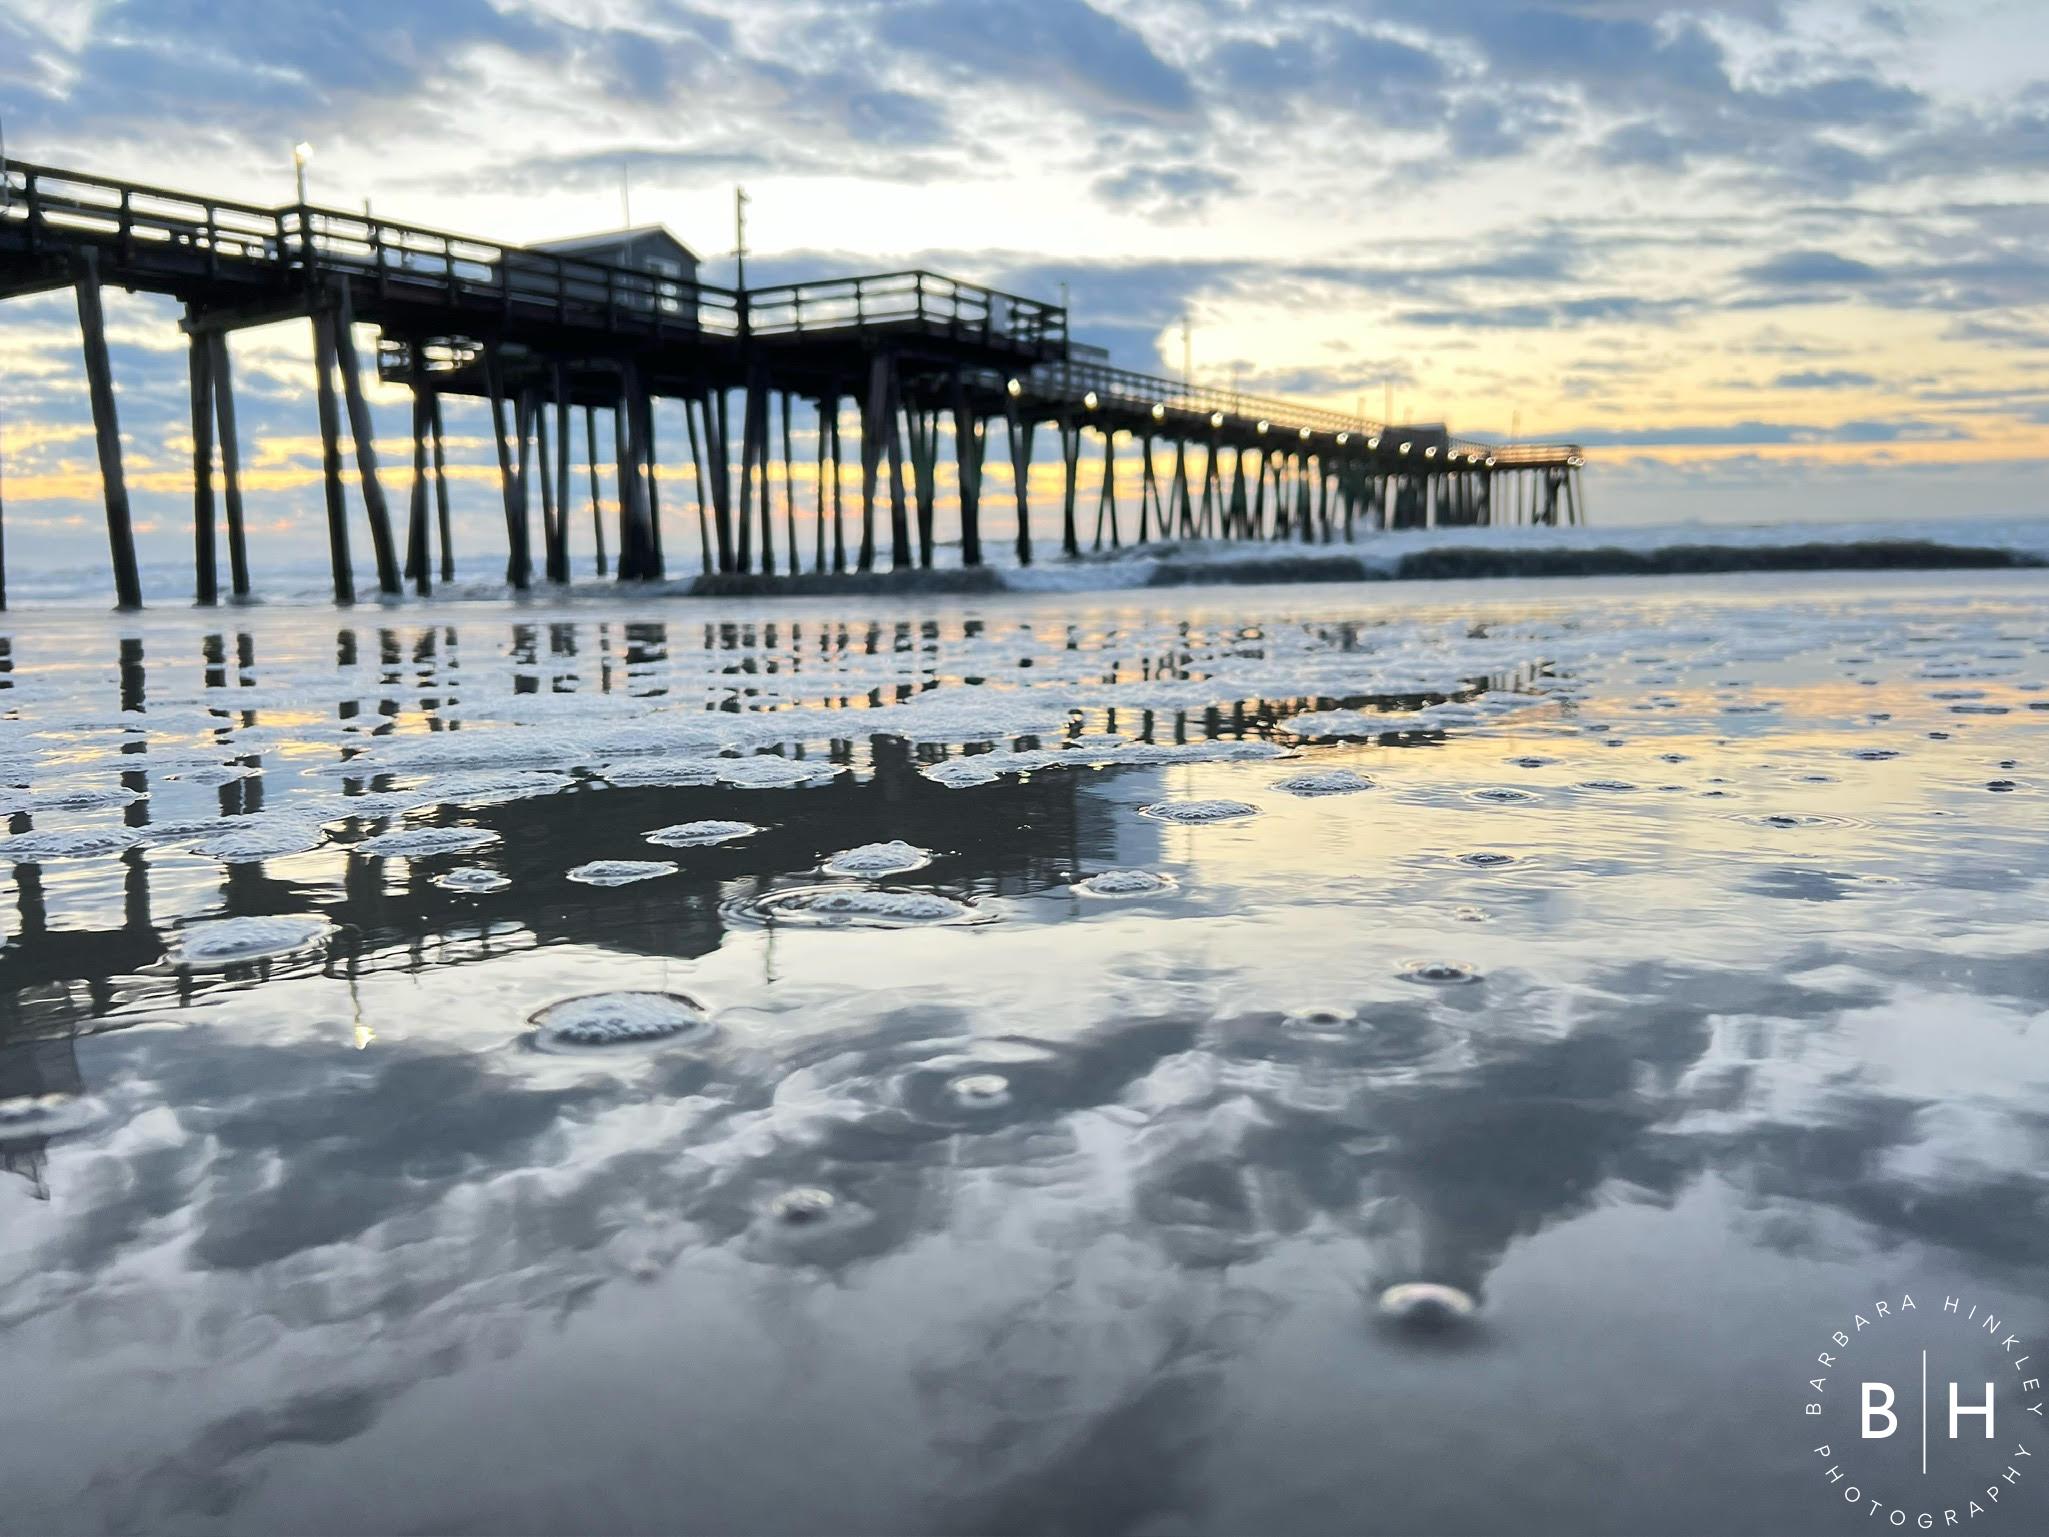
(217, 942)
(1198, 813)
(859, 907)
(1124, 883)
(1439, 973)
(473, 879)
(961, 773)
(1336, 781)
(682, 835)
(597, 1020)
(979, 1091)
(236, 840)
(875, 859)
(803, 1206)
(34, 847)
(424, 842)
(621, 872)
(1427, 1305)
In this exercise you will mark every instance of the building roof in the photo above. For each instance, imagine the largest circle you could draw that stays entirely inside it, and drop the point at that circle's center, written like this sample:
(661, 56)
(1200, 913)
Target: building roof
(583, 245)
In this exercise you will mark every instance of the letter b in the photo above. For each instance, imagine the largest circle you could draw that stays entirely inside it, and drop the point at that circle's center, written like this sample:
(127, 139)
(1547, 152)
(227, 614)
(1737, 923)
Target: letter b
(1876, 1409)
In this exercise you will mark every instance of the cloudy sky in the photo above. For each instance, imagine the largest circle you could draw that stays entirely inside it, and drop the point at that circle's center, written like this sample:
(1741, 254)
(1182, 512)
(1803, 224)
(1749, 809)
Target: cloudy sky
(1765, 258)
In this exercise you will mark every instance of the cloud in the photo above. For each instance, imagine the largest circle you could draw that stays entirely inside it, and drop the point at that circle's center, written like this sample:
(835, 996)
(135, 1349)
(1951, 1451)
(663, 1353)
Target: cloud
(1064, 47)
(1824, 379)
(1799, 269)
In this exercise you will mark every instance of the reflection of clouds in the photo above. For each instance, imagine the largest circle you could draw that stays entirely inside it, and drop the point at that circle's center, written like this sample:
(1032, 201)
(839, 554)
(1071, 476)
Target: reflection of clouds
(1079, 1158)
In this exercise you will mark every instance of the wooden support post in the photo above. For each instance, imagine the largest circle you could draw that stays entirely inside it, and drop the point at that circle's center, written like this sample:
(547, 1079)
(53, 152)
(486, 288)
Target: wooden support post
(443, 522)
(928, 483)
(1070, 456)
(590, 441)
(1181, 507)
(839, 529)
(874, 409)
(558, 555)
(1241, 511)
(231, 463)
(818, 528)
(750, 409)
(419, 552)
(704, 552)
(636, 540)
(364, 432)
(789, 491)
(718, 464)
(199, 368)
(510, 481)
(628, 478)
(1106, 498)
(544, 450)
(1148, 492)
(968, 446)
(330, 460)
(1021, 478)
(657, 567)
(99, 375)
(899, 511)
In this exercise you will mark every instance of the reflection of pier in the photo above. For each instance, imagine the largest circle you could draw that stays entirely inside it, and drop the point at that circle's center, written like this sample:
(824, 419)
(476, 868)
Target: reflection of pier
(540, 332)
(28, 1070)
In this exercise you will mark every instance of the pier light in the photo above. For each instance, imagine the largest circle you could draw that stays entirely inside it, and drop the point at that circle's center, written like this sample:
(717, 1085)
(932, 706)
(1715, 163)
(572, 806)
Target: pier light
(1264, 425)
(1344, 438)
(1373, 441)
(1430, 452)
(1216, 418)
(1490, 461)
(1407, 446)
(1159, 412)
(1089, 401)
(302, 154)
(1575, 461)
(1013, 389)
(1305, 434)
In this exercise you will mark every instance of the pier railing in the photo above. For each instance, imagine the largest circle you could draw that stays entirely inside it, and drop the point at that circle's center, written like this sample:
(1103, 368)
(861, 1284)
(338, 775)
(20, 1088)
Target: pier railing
(1129, 391)
(932, 301)
(212, 238)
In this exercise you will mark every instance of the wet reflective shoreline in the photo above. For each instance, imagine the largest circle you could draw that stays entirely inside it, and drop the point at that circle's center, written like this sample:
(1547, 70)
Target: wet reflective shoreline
(1662, 979)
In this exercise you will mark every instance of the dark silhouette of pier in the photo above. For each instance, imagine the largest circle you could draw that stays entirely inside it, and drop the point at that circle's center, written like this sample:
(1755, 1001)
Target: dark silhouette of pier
(544, 335)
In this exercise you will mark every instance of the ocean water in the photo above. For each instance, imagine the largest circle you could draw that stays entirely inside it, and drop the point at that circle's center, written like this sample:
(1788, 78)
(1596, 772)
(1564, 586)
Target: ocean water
(1438, 1058)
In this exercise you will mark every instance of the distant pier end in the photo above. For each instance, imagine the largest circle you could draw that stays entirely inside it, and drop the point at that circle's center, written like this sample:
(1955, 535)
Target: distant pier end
(616, 322)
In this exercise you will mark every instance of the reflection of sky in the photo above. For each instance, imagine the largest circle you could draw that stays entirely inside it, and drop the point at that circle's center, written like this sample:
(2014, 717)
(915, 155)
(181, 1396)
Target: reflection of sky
(331, 1237)
(1769, 260)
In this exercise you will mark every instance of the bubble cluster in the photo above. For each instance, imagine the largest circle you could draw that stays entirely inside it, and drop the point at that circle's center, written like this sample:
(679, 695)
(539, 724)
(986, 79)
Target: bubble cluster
(1439, 973)
(1124, 883)
(1199, 813)
(424, 842)
(877, 859)
(620, 1019)
(473, 879)
(683, 835)
(1334, 781)
(621, 872)
(218, 942)
(859, 907)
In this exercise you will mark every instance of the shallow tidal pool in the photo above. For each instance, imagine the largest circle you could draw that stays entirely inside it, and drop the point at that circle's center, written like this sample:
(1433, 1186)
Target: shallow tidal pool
(1437, 1058)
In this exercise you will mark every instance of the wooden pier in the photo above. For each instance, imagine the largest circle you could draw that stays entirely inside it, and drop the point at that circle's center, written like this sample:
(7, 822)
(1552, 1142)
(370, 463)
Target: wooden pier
(932, 367)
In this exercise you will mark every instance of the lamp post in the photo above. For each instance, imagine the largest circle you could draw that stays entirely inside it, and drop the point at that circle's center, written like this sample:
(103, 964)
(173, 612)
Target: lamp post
(302, 152)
